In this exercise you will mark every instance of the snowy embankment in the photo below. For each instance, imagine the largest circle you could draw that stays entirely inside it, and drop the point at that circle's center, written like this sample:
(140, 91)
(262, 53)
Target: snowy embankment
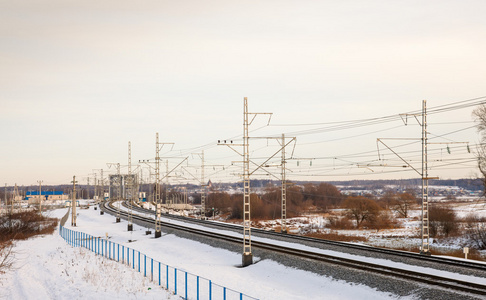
(48, 268)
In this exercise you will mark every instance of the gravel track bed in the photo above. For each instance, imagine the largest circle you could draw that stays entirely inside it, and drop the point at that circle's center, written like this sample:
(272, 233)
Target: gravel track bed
(396, 287)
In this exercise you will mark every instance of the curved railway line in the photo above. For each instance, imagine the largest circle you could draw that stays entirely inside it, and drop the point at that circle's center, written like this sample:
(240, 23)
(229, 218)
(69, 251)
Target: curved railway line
(458, 266)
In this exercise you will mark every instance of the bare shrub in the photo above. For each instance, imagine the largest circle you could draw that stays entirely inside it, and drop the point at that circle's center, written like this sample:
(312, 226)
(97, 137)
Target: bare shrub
(335, 222)
(6, 256)
(476, 232)
(384, 220)
(24, 225)
(362, 209)
(402, 204)
(442, 221)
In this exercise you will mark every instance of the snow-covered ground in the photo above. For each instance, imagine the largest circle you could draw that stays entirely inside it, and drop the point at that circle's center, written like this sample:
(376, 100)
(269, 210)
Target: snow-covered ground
(48, 268)
(405, 237)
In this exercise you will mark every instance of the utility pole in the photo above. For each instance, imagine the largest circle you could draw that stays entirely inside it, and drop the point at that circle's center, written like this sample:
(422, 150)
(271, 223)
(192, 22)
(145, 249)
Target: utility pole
(425, 249)
(102, 187)
(73, 204)
(118, 183)
(158, 231)
(130, 188)
(204, 187)
(12, 198)
(424, 174)
(16, 196)
(167, 183)
(88, 187)
(247, 257)
(284, 190)
(5, 196)
(95, 192)
(40, 195)
(10, 210)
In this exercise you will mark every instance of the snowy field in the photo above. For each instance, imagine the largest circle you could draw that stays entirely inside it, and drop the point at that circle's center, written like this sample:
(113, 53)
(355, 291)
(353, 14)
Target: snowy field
(48, 268)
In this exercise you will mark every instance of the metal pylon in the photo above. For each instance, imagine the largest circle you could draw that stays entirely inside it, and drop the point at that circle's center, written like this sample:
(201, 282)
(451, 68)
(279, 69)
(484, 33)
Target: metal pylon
(130, 189)
(247, 255)
(73, 204)
(158, 230)
(425, 248)
(203, 185)
(284, 189)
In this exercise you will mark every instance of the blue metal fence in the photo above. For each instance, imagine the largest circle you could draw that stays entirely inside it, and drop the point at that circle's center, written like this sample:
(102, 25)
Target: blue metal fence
(180, 282)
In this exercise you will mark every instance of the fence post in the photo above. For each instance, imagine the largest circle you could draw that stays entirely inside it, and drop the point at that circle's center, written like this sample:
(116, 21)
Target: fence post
(159, 276)
(152, 270)
(175, 281)
(210, 290)
(186, 285)
(133, 259)
(138, 261)
(118, 252)
(224, 293)
(197, 288)
(167, 277)
(145, 265)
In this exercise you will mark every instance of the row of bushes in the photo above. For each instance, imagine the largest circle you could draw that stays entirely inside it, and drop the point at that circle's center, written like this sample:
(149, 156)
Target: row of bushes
(357, 211)
(20, 226)
(23, 225)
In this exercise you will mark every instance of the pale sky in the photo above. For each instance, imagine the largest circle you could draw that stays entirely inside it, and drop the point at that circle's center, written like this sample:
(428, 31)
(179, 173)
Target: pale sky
(79, 79)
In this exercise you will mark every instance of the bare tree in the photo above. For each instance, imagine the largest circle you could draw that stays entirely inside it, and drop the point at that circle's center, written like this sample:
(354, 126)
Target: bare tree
(6, 256)
(402, 204)
(479, 115)
(362, 209)
(476, 231)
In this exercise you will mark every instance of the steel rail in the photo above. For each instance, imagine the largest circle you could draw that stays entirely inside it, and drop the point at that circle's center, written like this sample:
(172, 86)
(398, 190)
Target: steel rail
(397, 253)
(432, 280)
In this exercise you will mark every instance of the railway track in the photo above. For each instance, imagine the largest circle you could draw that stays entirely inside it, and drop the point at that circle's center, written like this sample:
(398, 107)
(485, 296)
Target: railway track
(474, 289)
(467, 265)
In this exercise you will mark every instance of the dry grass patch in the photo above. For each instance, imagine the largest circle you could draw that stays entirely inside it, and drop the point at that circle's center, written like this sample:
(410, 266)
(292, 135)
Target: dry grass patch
(23, 225)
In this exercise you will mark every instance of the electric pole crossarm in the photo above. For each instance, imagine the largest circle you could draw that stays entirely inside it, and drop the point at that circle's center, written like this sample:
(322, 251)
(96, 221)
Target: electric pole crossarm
(230, 146)
(405, 121)
(419, 173)
(254, 115)
(282, 148)
(162, 146)
(168, 173)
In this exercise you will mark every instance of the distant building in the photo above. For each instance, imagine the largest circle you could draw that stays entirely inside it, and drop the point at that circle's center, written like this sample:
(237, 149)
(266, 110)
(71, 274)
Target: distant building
(33, 196)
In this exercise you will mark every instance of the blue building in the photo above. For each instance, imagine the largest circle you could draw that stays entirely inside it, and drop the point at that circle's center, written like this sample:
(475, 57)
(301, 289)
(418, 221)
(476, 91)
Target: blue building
(33, 196)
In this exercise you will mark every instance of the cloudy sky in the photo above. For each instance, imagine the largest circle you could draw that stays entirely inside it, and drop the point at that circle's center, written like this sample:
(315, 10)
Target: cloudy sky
(79, 79)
